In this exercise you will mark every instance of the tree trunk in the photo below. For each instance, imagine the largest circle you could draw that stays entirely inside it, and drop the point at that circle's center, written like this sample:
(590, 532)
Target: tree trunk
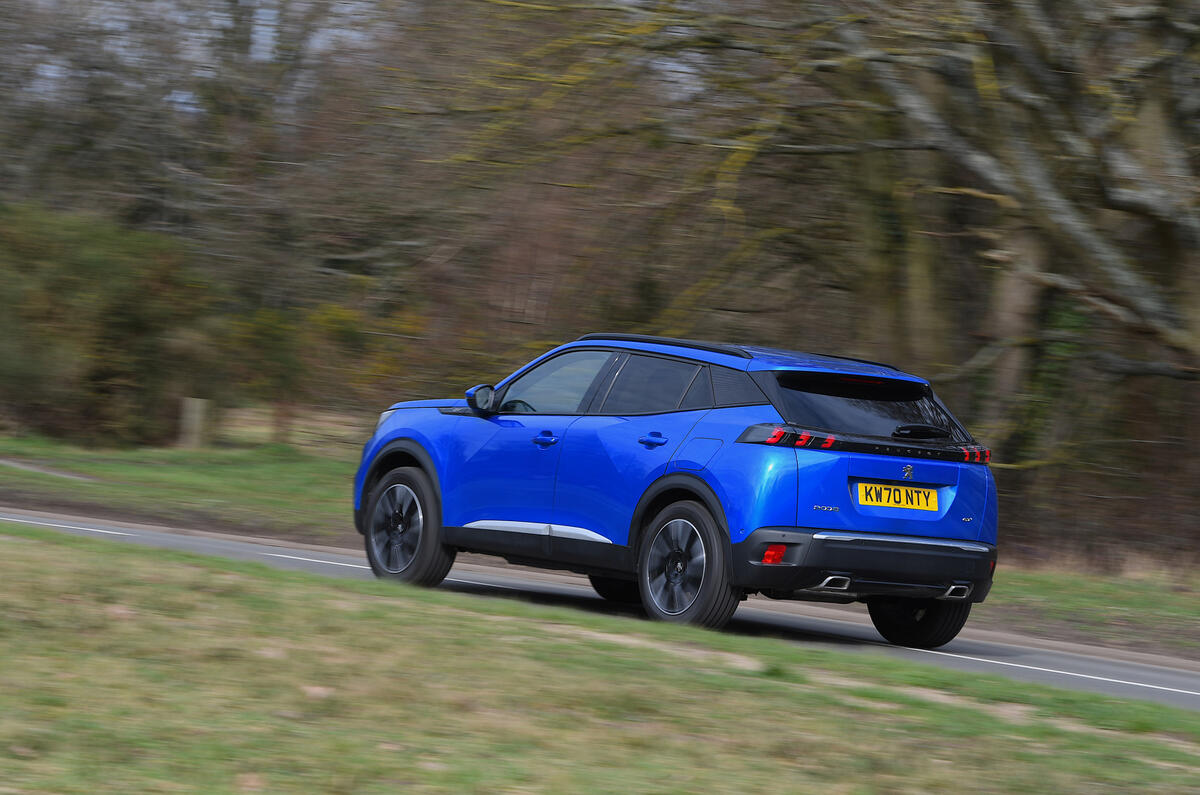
(1013, 318)
(282, 420)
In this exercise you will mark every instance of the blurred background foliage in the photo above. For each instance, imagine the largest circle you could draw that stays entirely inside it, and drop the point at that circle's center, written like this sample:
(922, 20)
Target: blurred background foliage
(343, 204)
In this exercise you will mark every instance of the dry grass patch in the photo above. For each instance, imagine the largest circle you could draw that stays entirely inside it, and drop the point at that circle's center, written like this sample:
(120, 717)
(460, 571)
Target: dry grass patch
(131, 670)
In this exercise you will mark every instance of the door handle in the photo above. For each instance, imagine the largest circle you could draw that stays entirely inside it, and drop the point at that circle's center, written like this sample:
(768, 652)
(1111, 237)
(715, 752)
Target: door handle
(654, 439)
(545, 439)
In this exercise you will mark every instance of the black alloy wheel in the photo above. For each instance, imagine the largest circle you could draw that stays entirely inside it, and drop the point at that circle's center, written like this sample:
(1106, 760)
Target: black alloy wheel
(683, 568)
(403, 532)
(675, 566)
(396, 528)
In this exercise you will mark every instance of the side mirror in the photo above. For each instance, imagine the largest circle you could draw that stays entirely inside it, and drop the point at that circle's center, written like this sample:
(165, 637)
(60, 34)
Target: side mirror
(481, 397)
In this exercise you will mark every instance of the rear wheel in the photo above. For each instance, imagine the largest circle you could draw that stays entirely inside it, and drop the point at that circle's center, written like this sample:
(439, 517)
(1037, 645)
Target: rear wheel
(616, 590)
(403, 532)
(683, 568)
(923, 623)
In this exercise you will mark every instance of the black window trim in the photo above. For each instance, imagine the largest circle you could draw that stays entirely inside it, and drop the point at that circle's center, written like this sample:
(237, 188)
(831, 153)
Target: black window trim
(604, 387)
(702, 371)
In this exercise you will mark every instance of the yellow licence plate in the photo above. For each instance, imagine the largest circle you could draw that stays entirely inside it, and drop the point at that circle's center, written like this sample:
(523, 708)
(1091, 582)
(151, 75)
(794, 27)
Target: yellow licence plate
(897, 496)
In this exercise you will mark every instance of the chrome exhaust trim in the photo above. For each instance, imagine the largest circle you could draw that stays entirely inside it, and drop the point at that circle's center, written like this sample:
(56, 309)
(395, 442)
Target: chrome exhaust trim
(836, 582)
(956, 592)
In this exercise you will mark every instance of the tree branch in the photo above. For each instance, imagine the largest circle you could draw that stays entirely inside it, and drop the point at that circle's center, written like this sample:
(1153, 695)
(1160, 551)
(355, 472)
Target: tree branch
(803, 149)
(1142, 295)
(1104, 361)
(1088, 296)
(918, 108)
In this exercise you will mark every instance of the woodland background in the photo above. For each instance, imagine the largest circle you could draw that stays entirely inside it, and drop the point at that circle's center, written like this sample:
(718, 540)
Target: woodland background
(343, 204)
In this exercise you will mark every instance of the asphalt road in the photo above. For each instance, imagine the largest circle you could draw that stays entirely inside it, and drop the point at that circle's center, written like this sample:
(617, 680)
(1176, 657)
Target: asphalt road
(1167, 680)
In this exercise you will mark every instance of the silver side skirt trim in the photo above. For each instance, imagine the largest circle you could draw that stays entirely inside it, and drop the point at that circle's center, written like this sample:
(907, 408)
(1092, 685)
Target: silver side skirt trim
(540, 529)
(891, 539)
(529, 528)
(577, 533)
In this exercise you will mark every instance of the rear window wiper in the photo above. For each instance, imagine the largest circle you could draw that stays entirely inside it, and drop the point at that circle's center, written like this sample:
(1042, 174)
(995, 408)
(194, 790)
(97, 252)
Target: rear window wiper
(919, 431)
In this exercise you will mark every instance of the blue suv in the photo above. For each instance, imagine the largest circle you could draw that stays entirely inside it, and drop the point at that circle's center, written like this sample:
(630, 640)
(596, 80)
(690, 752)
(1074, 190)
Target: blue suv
(685, 475)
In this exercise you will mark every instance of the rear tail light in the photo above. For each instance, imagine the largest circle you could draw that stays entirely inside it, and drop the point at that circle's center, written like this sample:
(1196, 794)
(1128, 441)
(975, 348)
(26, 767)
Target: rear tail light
(790, 436)
(774, 554)
(976, 454)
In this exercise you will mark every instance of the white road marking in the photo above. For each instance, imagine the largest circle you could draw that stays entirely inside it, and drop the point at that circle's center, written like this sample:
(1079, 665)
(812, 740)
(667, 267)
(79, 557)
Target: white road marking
(484, 584)
(317, 560)
(360, 566)
(1110, 680)
(1062, 673)
(64, 526)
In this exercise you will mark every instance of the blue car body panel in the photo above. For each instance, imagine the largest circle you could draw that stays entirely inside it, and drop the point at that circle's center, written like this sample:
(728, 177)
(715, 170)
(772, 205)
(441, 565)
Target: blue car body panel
(755, 490)
(578, 478)
(605, 469)
(417, 427)
(496, 470)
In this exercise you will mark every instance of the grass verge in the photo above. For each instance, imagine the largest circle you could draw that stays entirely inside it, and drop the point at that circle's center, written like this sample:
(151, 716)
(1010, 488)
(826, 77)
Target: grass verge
(265, 489)
(305, 496)
(1153, 611)
(129, 669)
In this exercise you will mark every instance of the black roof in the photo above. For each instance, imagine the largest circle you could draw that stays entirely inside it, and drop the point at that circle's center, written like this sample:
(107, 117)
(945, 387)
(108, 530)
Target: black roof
(700, 345)
(729, 349)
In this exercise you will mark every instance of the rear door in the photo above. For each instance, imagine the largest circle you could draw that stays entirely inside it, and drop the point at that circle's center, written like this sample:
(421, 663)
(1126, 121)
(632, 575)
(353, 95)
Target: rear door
(623, 445)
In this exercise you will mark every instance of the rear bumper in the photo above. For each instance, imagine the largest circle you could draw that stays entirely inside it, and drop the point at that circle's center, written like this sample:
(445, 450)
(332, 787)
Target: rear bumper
(863, 565)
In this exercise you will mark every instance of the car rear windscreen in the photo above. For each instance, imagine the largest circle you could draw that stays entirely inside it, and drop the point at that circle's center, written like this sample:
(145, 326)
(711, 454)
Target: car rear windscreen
(861, 405)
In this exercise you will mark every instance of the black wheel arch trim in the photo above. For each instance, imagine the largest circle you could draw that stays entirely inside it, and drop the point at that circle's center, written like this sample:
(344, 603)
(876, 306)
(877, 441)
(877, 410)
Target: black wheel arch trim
(672, 481)
(410, 447)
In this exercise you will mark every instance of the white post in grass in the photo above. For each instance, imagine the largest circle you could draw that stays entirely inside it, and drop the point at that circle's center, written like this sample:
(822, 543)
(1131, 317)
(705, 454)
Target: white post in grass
(192, 421)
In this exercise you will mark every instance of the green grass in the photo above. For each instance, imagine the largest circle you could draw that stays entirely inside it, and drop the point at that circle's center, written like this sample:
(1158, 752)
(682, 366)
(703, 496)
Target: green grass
(1153, 611)
(299, 494)
(136, 670)
(265, 489)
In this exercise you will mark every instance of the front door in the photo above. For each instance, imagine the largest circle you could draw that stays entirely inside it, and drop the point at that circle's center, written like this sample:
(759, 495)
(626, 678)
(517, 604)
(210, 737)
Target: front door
(500, 484)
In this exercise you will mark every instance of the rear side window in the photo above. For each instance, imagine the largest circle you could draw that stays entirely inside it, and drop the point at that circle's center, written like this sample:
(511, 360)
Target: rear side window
(861, 405)
(647, 384)
(735, 388)
(699, 394)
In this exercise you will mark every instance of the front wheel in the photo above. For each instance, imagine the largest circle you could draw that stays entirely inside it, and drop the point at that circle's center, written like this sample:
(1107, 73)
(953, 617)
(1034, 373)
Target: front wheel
(922, 623)
(683, 568)
(403, 532)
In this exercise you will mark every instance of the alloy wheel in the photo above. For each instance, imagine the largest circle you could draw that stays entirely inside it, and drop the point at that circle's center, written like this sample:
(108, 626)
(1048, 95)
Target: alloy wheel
(676, 566)
(396, 528)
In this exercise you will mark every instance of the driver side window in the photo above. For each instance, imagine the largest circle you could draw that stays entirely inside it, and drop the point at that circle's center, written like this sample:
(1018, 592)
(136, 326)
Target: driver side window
(557, 386)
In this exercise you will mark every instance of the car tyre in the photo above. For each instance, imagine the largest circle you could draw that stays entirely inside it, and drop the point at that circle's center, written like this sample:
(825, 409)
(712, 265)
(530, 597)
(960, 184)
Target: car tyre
(684, 568)
(403, 529)
(616, 590)
(921, 623)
